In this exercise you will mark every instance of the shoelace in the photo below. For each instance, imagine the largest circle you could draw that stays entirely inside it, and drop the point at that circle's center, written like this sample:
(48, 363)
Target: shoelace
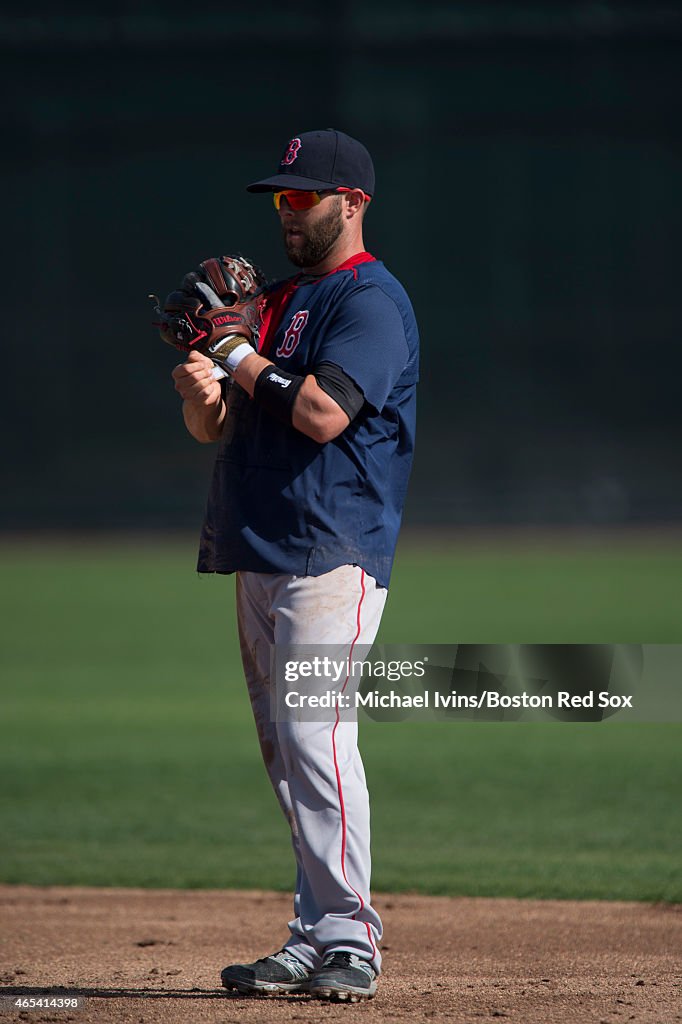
(342, 960)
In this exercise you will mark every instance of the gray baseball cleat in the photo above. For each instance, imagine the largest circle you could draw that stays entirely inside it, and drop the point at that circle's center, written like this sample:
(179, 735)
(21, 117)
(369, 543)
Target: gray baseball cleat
(276, 974)
(343, 977)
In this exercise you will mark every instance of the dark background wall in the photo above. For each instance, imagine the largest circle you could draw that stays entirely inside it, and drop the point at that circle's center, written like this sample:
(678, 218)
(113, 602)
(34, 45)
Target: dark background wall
(528, 164)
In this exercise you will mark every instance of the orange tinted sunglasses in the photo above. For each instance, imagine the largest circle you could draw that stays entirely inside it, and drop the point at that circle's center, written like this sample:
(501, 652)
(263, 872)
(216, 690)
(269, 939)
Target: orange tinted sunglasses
(305, 200)
(297, 200)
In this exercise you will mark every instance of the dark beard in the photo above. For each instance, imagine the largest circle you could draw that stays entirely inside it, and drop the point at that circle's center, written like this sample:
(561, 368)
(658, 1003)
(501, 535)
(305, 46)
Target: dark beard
(319, 239)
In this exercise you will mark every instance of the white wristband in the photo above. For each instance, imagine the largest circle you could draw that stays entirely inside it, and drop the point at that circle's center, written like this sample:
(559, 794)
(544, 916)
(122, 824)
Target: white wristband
(236, 355)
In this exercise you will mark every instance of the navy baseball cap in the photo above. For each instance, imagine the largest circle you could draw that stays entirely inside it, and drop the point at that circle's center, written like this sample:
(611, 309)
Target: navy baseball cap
(321, 160)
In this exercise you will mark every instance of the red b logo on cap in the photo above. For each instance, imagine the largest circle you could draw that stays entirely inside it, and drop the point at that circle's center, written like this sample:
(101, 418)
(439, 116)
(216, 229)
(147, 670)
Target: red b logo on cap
(291, 152)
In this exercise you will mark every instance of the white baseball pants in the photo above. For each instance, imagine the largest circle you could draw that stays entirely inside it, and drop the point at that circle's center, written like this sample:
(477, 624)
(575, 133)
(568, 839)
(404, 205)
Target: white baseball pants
(315, 766)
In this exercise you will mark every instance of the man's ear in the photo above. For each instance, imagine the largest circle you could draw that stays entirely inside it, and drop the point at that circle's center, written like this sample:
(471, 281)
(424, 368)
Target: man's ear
(355, 202)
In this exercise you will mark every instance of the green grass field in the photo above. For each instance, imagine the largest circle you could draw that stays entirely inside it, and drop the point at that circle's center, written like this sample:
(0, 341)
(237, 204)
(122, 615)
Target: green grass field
(128, 755)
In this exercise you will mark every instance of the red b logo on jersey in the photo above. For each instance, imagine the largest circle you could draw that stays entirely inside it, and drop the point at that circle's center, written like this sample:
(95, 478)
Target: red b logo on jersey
(292, 335)
(291, 152)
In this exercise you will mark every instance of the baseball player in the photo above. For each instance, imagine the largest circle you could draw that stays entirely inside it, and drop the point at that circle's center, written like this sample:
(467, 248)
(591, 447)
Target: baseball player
(315, 422)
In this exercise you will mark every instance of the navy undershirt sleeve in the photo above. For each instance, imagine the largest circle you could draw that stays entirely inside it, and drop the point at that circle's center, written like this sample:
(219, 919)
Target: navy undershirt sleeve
(340, 387)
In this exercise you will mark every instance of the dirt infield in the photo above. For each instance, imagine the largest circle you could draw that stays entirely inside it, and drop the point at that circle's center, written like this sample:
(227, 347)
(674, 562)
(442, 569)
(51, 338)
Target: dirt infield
(154, 956)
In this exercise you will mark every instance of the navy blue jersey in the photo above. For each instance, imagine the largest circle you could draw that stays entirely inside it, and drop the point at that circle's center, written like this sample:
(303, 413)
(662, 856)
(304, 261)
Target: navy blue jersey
(282, 503)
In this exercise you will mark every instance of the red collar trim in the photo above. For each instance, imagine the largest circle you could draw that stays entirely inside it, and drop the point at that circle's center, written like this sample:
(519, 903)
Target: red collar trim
(349, 264)
(360, 257)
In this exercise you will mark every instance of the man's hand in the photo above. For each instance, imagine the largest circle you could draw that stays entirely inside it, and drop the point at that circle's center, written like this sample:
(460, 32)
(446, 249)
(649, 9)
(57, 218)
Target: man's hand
(194, 380)
(203, 408)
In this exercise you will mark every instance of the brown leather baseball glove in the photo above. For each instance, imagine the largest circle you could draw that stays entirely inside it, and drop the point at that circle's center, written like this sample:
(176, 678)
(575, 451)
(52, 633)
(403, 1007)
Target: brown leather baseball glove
(217, 307)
